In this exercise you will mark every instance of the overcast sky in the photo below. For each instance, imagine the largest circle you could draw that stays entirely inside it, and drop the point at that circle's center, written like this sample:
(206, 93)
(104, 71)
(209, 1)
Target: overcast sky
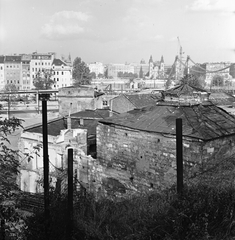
(119, 31)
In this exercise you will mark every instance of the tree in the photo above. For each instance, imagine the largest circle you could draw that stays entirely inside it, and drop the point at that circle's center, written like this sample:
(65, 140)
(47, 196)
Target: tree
(141, 73)
(217, 81)
(43, 80)
(192, 81)
(100, 75)
(93, 75)
(81, 73)
(8, 159)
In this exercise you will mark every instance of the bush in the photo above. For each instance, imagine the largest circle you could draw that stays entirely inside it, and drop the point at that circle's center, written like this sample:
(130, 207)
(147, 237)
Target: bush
(201, 212)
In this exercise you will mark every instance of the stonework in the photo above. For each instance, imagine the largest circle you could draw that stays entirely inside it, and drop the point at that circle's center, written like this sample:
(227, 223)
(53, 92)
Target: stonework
(143, 161)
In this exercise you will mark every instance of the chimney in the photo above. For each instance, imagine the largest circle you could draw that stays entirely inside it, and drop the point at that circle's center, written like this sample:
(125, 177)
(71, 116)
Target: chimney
(69, 122)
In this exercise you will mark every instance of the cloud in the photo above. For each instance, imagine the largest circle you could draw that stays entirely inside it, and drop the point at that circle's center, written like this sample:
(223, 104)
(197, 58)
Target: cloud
(213, 5)
(65, 25)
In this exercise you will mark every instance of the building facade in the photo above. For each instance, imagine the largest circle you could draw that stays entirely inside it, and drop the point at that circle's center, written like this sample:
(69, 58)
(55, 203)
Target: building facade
(97, 68)
(13, 70)
(114, 69)
(62, 74)
(39, 62)
(2, 80)
(26, 81)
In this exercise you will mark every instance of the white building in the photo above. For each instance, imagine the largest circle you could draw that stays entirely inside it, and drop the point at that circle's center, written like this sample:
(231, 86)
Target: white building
(39, 62)
(2, 82)
(62, 74)
(114, 69)
(96, 67)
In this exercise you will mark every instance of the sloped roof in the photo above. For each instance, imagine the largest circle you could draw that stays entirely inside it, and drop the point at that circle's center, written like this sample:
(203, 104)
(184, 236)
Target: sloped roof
(2, 59)
(202, 121)
(141, 100)
(222, 98)
(183, 89)
(94, 114)
(13, 58)
(58, 62)
(54, 126)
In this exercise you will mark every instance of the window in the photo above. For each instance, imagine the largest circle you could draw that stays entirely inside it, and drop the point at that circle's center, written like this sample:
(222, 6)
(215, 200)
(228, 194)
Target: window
(57, 79)
(35, 63)
(33, 69)
(81, 121)
(57, 73)
(105, 103)
(62, 73)
(1, 68)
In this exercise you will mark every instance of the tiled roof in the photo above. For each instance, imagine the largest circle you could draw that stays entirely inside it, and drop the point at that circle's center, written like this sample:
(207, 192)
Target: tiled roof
(58, 62)
(13, 58)
(1, 59)
(141, 100)
(54, 126)
(222, 98)
(202, 121)
(95, 114)
(182, 90)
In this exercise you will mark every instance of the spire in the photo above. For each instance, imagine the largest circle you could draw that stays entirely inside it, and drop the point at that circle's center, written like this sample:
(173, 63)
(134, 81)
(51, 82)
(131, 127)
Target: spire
(162, 60)
(151, 59)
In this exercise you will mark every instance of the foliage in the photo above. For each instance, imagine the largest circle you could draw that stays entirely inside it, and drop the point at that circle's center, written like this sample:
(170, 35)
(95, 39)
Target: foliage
(127, 75)
(81, 72)
(93, 75)
(198, 72)
(217, 81)
(43, 80)
(8, 159)
(192, 81)
(9, 190)
(201, 212)
(100, 75)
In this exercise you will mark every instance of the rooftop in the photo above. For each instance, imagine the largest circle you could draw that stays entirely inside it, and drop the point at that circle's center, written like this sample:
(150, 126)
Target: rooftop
(58, 62)
(56, 125)
(202, 121)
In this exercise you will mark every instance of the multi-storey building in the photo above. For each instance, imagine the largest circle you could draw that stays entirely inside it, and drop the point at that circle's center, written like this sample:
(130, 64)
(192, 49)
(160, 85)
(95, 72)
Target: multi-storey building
(39, 62)
(114, 69)
(62, 74)
(218, 68)
(26, 83)
(2, 82)
(12, 70)
(142, 66)
(96, 67)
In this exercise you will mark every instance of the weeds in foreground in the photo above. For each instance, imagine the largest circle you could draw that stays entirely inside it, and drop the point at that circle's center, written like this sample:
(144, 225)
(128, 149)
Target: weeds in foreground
(201, 212)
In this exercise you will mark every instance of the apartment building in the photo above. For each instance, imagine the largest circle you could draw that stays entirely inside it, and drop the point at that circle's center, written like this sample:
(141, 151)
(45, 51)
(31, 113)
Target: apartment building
(113, 69)
(26, 81)
(2, 83)
(40, 61)
(96, 67)
(62, 74)
(12, 70)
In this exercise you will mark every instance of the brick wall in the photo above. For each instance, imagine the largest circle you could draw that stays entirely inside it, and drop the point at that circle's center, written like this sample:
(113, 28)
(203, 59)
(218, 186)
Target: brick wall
(146, 161)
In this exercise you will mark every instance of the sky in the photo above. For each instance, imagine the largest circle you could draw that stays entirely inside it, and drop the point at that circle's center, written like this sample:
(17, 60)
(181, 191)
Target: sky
(120, 31)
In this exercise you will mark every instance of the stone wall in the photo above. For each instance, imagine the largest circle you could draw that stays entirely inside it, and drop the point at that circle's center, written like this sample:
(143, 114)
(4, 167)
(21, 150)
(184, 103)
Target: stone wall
(147, 161)
(81, 99)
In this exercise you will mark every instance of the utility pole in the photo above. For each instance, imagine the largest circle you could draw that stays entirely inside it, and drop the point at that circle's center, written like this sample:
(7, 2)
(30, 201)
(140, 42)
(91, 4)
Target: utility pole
(179, 155)
(70, 195)
(44, 98)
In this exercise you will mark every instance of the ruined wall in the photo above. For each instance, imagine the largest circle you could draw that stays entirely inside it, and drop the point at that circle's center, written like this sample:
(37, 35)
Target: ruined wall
(81, 99)
(145, 161)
